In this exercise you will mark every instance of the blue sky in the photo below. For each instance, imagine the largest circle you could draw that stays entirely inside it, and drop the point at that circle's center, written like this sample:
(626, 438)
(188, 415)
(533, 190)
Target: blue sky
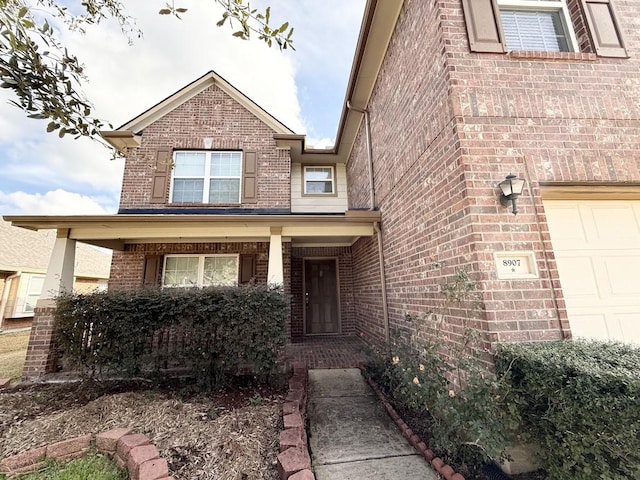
(42, 174)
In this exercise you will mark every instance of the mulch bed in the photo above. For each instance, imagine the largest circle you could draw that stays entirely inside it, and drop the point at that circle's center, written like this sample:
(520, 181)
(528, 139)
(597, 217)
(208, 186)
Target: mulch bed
(418, 422)
(232, 434)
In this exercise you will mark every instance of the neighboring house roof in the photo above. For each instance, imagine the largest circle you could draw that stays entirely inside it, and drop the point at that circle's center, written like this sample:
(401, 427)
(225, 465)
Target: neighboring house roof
(29, 251)
(128, 135)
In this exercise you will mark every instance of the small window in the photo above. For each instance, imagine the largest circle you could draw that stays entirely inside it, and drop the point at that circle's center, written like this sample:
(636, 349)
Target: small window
(319, 181)
(206, 177)
(537, 25)
(200, 270)
(34, 289)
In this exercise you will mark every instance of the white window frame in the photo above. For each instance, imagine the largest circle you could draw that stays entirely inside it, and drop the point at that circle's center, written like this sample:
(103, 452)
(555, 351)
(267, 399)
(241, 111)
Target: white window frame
(332, 179)
(545, 6)
(200, 273)
(25, 294)
(207, 175)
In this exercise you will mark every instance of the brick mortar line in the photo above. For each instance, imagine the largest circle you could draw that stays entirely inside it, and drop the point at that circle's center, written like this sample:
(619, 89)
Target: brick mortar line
(119, 444)
(437, 463)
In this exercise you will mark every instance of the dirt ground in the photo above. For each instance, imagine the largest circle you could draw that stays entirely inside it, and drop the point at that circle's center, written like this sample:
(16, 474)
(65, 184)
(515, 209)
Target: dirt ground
(231, 435)
(13, 349)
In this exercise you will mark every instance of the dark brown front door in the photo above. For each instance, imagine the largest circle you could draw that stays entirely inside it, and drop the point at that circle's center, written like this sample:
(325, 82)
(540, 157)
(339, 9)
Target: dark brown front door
(321, 297)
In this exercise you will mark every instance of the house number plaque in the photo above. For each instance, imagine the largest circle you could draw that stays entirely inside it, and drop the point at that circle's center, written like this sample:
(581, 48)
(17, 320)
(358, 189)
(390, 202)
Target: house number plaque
(519, 264)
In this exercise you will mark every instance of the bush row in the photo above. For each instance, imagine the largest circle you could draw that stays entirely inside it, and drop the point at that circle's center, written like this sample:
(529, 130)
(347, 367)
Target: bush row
(215, 331)
(580, 401)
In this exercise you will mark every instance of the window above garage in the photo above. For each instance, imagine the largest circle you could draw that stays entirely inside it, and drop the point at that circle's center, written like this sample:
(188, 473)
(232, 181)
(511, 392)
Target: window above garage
(501, 26)
(537, 25)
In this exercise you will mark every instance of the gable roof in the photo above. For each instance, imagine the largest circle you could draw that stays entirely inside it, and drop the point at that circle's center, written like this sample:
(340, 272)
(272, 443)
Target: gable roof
(29, 251)
(128, 134)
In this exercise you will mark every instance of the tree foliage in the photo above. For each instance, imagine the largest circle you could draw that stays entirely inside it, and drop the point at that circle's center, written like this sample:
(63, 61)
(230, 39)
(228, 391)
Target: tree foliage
(46, 78)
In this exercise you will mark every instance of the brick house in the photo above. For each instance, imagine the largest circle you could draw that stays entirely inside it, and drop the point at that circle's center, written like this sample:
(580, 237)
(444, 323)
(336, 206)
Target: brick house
(24, 256)
(446, 99)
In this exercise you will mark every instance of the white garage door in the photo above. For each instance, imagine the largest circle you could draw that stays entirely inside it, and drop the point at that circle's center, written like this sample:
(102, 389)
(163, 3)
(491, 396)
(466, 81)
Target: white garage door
(597, 249)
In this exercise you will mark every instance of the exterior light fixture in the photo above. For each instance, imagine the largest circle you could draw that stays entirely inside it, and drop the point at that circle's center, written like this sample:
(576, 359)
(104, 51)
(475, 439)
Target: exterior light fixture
(511, 187)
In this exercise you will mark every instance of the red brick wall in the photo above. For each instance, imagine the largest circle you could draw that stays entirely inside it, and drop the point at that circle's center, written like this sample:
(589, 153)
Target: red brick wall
(211, 114)
(367, 290)
(447, 126)
(345, 282)
(127, 268)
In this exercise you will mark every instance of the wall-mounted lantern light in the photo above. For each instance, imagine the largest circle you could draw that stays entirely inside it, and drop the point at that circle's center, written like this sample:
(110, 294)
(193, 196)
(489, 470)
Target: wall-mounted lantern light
(511, 187)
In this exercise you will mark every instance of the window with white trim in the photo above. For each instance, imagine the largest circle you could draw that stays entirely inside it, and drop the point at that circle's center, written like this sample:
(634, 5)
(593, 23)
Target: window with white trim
(200, 270)
(32, 293)
(319, 180)
(537, 25)
(206, 177)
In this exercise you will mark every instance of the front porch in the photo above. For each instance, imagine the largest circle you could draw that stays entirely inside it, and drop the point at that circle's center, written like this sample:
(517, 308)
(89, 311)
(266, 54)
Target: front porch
(329, 352)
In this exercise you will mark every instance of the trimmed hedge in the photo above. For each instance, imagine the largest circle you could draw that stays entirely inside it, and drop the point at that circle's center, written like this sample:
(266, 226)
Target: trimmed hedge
(214, 331)
(580, 401)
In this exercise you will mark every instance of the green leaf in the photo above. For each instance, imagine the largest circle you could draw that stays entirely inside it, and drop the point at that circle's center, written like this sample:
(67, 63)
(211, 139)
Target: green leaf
(165, 11)
(283, 27)
(181, 10)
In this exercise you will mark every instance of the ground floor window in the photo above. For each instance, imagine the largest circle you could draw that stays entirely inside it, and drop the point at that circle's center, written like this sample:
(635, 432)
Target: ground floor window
(200, 270)
(32, 293)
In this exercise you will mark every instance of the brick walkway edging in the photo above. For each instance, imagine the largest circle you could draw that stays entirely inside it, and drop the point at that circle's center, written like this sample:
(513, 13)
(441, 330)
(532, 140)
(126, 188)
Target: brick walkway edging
(294, 462)
(132, 451)
(438, 464)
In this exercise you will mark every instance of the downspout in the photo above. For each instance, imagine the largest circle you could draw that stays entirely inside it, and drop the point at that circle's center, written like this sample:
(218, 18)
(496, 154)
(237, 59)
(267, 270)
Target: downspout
(383, 284)
(5, 295)
(376, 225)
(367, 129)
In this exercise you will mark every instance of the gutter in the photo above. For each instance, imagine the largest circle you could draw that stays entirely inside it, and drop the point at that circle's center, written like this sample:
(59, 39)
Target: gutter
(5, 295)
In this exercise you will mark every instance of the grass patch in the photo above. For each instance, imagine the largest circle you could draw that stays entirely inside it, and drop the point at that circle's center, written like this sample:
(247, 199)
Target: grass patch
(14, 342)
(90, 467)
(13, 349)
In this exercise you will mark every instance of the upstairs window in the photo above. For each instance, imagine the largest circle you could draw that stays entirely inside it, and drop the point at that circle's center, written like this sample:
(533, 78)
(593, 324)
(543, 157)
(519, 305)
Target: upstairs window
(537, 25)
(500, 26)
(206, 177)
(319, 181)
(200, 270)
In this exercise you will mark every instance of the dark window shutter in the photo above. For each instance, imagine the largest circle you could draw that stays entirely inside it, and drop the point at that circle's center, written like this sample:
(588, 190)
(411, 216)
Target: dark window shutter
(159, 184)
(152, 268)
(604, 28)
(250, 178)
(483, 25)
(247, 268)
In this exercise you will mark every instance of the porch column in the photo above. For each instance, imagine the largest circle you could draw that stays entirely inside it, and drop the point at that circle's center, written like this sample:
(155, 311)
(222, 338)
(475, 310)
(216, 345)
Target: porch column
(275, 273)
(59, 278)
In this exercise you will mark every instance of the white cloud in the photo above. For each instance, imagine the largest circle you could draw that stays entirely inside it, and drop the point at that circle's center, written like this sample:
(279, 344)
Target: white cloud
(324, 142)
(56, 202)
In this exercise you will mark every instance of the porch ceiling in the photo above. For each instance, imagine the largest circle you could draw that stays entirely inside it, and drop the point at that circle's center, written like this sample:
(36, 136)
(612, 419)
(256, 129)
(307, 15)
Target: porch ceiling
(115, 231)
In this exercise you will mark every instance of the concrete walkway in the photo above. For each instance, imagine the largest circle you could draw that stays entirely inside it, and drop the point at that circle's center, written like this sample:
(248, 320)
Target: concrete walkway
(351, 436)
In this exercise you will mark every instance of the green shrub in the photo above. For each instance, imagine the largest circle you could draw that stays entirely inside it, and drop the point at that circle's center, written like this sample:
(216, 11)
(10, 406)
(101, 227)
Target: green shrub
(215, 332)
(467, 421)
(580, 401)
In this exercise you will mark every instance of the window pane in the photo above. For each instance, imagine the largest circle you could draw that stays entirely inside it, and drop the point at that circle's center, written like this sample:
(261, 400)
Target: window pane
(34, 289)
(224, 190)
(530, 30)
(220, 271)
(226, 164)
(187, 190)
(319, 187)
(181, 271)
(189, 164)
(316, 173)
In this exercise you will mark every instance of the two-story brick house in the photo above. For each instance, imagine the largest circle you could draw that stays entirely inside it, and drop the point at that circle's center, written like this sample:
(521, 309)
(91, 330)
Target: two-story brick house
(445, 99)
